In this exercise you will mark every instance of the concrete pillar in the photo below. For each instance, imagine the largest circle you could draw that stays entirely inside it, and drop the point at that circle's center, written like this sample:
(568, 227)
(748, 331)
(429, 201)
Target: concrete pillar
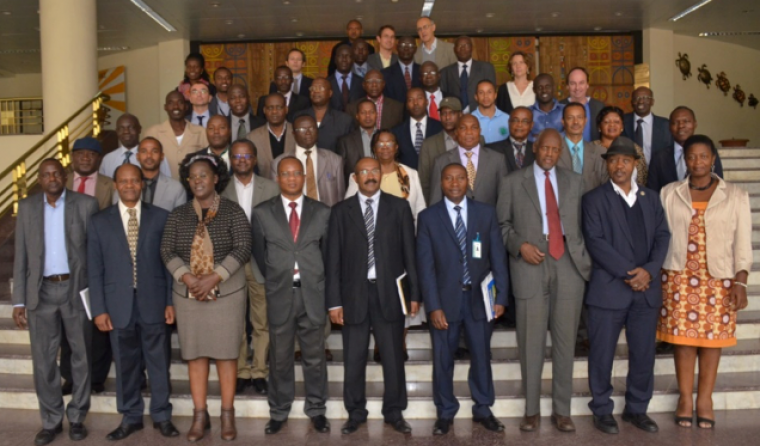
(69, 42)
(171, 68)
(659, 54)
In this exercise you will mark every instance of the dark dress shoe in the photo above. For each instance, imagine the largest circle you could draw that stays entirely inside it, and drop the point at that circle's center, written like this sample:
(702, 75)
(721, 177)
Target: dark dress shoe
(406, 355)
(321, 424)
(606, 424)
(376, 356)
(350, 426)
(642, 421)
(328, 355)
(297, 356)
(241, 384)
(77, 431)
(260, 386)
(490, 423)
(123, 431)
(45, 436)
(273, 426)
(563, 423)
(401, 426)
(66, 388)
(530, 423)
(98, 388)
(664, 348)
(166, 428)
(461, 354)
(442, 426)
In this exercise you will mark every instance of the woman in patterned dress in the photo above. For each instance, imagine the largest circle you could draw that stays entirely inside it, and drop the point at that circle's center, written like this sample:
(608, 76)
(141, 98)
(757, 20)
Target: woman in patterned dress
(704, 277)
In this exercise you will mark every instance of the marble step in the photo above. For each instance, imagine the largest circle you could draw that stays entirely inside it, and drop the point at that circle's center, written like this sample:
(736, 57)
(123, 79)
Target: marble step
(752, 187)
(741, 175)
(744, 162)
(739, 152)
(733, 391)
(754, 201)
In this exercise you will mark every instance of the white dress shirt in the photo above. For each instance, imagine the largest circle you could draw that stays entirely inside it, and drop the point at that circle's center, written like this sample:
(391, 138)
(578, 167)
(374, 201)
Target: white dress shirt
(301, 155)
(540, 178)
(438, 95)
(244, 194)
(125, 216)
(432, 47)
(453, 213)
(235, 125)
(284, 129)
(116, 158)
(413, 127)
(461, 67)
(647, 129)
(299, 206)
(630, 197)
(206, 116)
(372, 272)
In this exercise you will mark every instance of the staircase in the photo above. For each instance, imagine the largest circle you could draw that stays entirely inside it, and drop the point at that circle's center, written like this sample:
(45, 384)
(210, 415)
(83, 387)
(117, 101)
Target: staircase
(738, 385)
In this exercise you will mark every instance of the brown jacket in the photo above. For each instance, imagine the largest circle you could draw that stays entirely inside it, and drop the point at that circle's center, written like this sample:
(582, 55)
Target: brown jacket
(104, 189)
(193, 140)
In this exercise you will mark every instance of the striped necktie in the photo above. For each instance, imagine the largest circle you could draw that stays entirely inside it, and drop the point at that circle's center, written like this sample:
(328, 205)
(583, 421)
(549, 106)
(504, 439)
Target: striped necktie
(462, 237)
(369, 222)
(418, 138)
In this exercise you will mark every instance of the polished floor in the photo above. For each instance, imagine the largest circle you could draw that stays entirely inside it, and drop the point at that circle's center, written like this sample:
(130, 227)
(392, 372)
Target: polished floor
(733, 428)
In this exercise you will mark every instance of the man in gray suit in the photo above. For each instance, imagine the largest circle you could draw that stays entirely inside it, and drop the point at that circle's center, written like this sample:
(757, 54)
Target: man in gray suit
(158, 189)
(248, 190)
(577, 88)
(432, 48)
(49, 271)
(539, 212)
(290, 243)
(450, 111)
(386, 41)
(485, 167)
(461, 78)
(581, 156)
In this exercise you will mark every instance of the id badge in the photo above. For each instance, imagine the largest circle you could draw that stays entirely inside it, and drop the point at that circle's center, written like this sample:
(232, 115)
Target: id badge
(477, 248)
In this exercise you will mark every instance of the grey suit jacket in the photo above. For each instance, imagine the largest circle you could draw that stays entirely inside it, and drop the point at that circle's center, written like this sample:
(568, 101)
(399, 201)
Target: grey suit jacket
(393, 112)
(519, 212)
(277, 253)
(331, 183)
(263, 190)
(431, 148)
(594, 107)
(443, 55)
(260, 139)
(105, 192)
(594, 167)
(376, 63)
(491, 169)
(170, 193)
(29, 257)
(478, 72)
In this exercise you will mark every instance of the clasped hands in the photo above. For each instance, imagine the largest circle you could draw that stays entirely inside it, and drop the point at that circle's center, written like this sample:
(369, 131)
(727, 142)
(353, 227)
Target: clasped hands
(201, 287)
(640, 280)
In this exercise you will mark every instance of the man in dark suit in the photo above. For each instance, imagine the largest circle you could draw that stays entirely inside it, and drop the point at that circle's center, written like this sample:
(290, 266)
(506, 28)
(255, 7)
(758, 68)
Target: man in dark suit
(539, 212)
(577, 87)
(650, 132)
(461, 79)
(371, 245)
(218, 134)
(485, 167)
(354, 32)
(222, 81)
(131, 299)
(404, 75)
(358, 144)
(346, 85)
(158, 189)
(360, 52)
(49, 271)
(332, 123)
(290, 243)
(627, 236)
(668, 165)
(581, 156)
(458, 245)
(390, 111)
(295, 60)
(241, 119)
(415, 129)
(517, 150)
(283, 80)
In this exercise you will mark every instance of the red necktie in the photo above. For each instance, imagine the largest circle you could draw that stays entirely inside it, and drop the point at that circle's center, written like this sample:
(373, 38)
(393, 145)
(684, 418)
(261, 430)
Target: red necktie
(433, 111)
(556, 243)
(407, 78)
(294, 221)
(82, 181)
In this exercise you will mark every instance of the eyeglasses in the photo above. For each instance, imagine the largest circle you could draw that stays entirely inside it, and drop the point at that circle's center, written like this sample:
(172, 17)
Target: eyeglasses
(520, 121)
(365, 172)
(274, 107)
(429, 73)
(197, 92)
(385, 145)
(406, 45)
(192, 178)
(303, 130)
(291, 174)
(643, 99)
(424, 27)
(242, 156)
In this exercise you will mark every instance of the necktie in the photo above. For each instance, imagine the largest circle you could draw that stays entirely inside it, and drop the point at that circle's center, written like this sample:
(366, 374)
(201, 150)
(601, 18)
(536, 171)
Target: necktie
(311, 183)
(127, 156)
(556, 244)
(200, 120)
(82, 181)
(132, 231)
(681, 166)
(520, 154)
(407, 78)
(639, 138)
(344, 91)
(148, 191)
(418, 138)
(241, 129)
(463, 80)
(379, 108)
(462, 237)
(470, 170)
(369, 222)
(577, 166)
(433, 110)
(293, 221)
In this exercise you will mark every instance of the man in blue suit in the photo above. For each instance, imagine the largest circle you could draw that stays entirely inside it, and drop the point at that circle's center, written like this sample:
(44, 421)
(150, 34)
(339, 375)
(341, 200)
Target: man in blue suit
(458, 244)
(131, 298)
(627, 237)
(649, 131)
(415, 129)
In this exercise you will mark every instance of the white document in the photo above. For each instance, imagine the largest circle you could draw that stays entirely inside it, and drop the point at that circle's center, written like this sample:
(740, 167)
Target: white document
(488, 287)
(85, 295)
(401, 293)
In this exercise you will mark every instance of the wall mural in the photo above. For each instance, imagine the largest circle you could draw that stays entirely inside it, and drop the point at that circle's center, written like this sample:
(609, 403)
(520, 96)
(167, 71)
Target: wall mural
(112, 81)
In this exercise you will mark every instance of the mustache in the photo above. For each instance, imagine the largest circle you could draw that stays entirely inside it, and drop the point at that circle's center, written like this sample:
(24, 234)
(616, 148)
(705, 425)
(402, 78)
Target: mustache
(370, 182)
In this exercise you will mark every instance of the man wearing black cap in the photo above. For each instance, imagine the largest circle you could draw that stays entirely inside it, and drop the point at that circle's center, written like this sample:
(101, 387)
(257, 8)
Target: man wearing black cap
(627, 236)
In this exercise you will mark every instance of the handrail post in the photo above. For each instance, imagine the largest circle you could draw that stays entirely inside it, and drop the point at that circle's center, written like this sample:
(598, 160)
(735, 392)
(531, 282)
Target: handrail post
(95, 116)
(63, 146)
(19, 185)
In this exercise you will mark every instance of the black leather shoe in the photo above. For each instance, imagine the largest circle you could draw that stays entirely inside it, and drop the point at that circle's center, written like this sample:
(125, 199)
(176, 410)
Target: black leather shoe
(77, 431)
(606, 424)
(67, 387)
(45, 436)
(461, 354)
(328, 355)
(260, 386)
(273, 426)
(123, 431)
(350, 426)
(321, 424)
(98, 388)
(376, 356)
(401, 426)
(166, 428)
(241, 384)
(642, 421)
(442, 426)
(490, 423)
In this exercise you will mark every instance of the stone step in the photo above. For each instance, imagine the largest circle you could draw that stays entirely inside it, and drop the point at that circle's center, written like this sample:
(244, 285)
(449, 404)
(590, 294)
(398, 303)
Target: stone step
(755, 218)
(754, 201)
(741, 175)
(739, 152)
(744, 162)
(752, 187)
(733, 391)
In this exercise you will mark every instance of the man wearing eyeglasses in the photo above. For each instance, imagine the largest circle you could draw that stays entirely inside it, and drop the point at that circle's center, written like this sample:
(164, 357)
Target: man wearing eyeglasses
(283, 80)
(432, 48)
(517, 150)
(650, 132)
(200, 98)
(390, 112)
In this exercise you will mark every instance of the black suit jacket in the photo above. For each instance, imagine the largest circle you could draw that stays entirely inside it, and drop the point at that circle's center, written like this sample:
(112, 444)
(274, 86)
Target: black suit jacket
(331, 66)
(303, 89)
(506, 149)
(394, 247)
(395, 85)
(351, 149)
(406, 153)
(503, 101)
(334, 125)
(254, 121)
(296, 104)
(355, 91)
(661, 136)
(662, 168)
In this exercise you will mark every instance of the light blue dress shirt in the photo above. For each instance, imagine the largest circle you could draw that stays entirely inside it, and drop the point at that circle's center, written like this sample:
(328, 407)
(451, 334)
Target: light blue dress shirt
(540, 177)
(573, 147)
(56, 257)
(116, 158)
(543, 120)
(493, 129)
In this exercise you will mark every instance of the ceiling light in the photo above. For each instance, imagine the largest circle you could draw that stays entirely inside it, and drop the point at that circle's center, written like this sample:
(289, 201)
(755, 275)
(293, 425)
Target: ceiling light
(359, 1)
(228, 22)
(427, 8)
(555, 14)
(729, 33)
(215, 5)
(490, 15)
(618, 14)
(286, 2)
(153, 15)
(6, 13)
(394, 1)
(359, 18)
(597, 28)
(113, 48)
(539, 29)
(689, 10)
(479, 30)
(299, 34)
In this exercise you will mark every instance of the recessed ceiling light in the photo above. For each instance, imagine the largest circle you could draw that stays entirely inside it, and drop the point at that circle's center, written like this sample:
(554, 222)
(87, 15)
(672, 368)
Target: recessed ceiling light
(359, 18)
(597, 28)
(490, 15)
(539, 29)
(689, 10)
(394, 1)
(359, 1)
(241, 36)
(294, 20)
(555, 14)
(618, 14)
(6, 13)
(215, 5)
(479, 30)
(299, 34)
(286, 2)
(729, 33)
(229, 22)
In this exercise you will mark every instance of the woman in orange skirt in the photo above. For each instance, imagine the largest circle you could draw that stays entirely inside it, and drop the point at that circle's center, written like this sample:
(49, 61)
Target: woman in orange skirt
(704, 277)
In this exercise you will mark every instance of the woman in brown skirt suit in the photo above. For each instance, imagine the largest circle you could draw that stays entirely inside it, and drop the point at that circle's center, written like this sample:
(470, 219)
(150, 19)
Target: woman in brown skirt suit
(206, 242)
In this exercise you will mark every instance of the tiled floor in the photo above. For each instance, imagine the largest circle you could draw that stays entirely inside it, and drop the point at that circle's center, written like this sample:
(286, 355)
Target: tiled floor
(734, 428)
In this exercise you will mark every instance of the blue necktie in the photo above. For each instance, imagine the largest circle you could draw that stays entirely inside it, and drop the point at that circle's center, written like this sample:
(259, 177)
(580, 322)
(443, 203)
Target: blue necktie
(369, 223)
(462, 236)
(463, 79)
(127, 156)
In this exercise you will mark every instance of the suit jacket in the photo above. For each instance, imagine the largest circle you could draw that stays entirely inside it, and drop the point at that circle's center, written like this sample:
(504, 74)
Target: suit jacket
(520, 219)
(503, 100)
(331, 66)
(477, 72)
(439, 259)
(376, 63)
(331, 183)
(506, 149)
(489, 173)
(260, 138)
(395, 85)
(594, 107)
(193, 140)
(594, 166)
(415, 199)
(406, 152)
(295, 105)
(334, 124)
(443, 55)
(662, 168)
(112, 289)
(355, 91)
(610, 244)
(351, 149)
(29, 247)
(346, 267)
(170, 194)
(104, 189)
(393, 112)
(277, 253)
(303, 88)
(213, 107)
(253, 120)
(661, 136)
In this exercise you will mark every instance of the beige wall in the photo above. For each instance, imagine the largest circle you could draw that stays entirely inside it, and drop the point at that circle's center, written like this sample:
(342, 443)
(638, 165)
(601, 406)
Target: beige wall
(141, 73)
(21, 86)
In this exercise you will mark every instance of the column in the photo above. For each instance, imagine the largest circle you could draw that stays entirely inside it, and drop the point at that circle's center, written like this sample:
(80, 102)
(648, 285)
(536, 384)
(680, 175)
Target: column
(658, 53)
(171, 68)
